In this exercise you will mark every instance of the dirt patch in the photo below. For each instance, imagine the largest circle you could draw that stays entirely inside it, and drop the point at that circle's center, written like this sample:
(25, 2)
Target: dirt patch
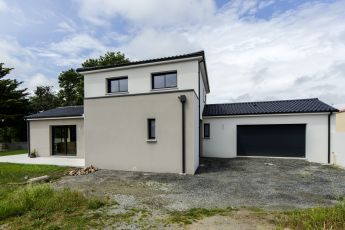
(242, 219)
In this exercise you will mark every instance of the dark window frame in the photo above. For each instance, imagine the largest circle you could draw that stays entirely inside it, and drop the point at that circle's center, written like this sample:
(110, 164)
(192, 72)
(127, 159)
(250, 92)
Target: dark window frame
(151, 135)
(109, 80)
(207, 135)
(64, 128)
(153, 75)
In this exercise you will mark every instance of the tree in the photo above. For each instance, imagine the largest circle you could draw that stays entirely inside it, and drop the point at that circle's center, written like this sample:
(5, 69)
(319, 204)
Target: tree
(44, 99)
(72, 88)
(13, 106)
(110, 58)
(72, 83)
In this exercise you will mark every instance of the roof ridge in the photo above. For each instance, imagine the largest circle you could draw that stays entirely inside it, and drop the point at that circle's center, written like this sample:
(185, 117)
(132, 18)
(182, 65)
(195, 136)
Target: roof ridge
(197, 53)
(252, 102)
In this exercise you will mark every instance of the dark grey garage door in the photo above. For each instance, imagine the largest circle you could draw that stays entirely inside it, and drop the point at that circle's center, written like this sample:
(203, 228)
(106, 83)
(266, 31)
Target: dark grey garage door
(271, 140)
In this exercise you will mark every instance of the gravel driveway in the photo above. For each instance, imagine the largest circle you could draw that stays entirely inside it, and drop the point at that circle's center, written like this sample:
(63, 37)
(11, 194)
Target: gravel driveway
(272, 184)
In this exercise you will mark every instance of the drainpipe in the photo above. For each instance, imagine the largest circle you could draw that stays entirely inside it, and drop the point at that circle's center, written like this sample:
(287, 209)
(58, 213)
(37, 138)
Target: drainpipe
(183, 100)
(199, 110)
(329, 137)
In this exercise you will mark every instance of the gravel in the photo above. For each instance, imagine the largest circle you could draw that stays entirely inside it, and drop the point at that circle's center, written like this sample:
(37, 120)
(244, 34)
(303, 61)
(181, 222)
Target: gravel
(271, 184)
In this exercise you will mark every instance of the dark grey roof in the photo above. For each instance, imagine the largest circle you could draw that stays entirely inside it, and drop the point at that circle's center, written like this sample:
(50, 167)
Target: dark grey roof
(190, 55)
(312, 105)
(68, 111)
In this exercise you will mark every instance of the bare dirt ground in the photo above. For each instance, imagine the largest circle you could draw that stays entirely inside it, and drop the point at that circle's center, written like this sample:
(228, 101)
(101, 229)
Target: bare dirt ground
(268, 184)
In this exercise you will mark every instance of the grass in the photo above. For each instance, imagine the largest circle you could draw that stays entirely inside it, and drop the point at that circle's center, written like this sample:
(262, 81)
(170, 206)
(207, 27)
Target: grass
(314, 218)
(195, 214)
(13, 152)
(39, 206)
(11, 175)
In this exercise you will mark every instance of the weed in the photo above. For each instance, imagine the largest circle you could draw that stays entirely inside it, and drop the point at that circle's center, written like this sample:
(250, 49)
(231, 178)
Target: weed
(314, 218)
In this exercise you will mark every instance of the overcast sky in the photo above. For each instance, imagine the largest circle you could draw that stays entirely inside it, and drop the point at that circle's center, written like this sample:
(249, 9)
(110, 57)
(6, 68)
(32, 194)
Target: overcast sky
(255, 49)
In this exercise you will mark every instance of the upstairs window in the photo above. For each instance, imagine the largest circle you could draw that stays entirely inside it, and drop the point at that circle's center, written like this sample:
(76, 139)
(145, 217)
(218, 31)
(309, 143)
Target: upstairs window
(164, 80)
(116, 85)
(206, 130)
(151, 128)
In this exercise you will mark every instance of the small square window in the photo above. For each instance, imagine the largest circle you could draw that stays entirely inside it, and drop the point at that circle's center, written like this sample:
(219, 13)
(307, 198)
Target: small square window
(117, 85)
(206, 130)
(151, 126)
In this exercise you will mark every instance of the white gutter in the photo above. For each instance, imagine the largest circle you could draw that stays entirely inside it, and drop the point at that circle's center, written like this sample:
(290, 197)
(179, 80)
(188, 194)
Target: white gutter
(55, 118)
(141, 65)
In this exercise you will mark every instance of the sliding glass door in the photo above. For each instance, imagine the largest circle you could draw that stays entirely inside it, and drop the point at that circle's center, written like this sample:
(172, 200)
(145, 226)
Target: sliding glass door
(64, 140)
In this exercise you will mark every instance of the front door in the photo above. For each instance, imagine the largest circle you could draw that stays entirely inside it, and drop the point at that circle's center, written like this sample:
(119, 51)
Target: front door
(64, 140)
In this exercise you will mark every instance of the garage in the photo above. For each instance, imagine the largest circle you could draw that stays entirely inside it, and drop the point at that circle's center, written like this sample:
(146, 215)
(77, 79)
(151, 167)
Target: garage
(289, 128)
(274, 140)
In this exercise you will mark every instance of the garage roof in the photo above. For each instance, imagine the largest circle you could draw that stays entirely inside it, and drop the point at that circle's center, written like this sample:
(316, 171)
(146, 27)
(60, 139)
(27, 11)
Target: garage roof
(68, 111)
(312, 105)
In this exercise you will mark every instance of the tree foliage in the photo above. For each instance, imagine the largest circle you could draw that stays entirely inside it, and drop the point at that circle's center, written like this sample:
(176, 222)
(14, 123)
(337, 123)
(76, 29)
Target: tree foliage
(110, 58)
(72, 88)
(72, 83)
(44, 98)
(13, 104)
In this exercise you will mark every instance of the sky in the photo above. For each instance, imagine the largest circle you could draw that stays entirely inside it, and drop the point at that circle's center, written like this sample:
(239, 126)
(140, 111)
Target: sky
(255, 49)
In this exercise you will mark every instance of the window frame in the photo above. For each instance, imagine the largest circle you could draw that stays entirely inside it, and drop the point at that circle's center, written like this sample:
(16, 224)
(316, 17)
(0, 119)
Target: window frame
(209, 131)
(149, 130)
(65, 136)
(108, 84)
(153, 75)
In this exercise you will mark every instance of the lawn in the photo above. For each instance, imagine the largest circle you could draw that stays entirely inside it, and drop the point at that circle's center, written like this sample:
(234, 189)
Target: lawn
(13, 152)
(12, 175)
(25, 206)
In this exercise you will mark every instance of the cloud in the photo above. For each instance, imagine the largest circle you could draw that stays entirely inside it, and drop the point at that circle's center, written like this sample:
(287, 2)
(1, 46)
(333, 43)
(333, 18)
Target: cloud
(3, 6)
(148, 13)
(15, 56)
(261, 59)
(39, 79)
(66, 27)
(150, 43)
(72, 50)
(22, 60)
(296, 53)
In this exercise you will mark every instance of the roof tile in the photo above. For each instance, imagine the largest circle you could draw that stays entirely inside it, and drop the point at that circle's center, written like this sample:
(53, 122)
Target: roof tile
(68, 111)
(312, 105)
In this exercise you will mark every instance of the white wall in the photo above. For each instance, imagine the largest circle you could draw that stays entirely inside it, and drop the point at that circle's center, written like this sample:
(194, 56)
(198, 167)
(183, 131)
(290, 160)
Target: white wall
(196, 133)
(139, 78)
(116, 132)
(40, 135)
(223, 137)
(338, 142)
(202, 95)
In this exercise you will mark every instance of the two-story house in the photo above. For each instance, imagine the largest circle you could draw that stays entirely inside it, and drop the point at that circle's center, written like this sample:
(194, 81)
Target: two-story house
(143, 116)
(152, 116)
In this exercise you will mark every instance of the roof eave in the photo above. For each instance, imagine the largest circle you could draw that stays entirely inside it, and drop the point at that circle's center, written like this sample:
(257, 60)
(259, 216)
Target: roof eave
(54, 117)
(134, 65)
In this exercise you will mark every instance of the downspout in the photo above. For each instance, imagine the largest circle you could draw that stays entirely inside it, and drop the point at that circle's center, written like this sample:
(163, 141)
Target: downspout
(28, 135)
(199, 110)
(329, 138)
(183, 100)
